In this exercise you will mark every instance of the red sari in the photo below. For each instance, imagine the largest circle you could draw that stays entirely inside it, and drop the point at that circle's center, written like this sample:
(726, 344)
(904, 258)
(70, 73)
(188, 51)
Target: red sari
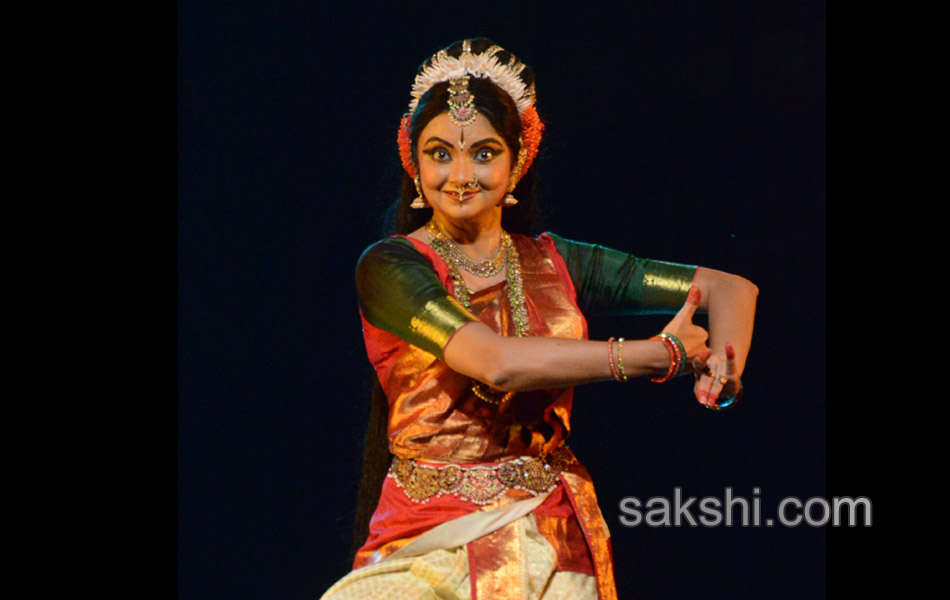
(434, 416)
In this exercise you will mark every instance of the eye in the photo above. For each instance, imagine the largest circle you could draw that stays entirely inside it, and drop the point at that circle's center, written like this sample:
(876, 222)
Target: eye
(486, 154)
(439, 154)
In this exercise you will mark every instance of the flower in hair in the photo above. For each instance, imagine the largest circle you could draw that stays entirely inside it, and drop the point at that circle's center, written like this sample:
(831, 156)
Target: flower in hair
(531, 131)
(405, 145)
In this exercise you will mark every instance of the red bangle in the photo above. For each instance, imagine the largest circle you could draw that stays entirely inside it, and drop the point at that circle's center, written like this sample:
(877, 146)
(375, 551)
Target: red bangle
(674, 363)
(678, 349)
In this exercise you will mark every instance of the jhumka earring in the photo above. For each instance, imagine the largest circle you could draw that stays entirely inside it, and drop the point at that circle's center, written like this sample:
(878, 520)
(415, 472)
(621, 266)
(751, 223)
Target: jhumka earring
(419, 202)
(515, 176)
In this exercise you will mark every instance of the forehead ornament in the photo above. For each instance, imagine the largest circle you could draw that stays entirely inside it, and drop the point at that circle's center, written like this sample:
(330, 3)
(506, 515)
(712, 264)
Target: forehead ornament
(461, 102)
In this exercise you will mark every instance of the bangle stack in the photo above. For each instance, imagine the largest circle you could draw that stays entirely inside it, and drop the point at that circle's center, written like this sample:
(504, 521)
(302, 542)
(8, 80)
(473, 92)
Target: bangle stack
(682, 350)
(677, 356)
(616, 366)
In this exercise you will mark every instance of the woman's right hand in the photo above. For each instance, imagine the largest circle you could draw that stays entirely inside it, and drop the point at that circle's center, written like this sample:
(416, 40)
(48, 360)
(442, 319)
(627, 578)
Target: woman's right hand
(692, 336)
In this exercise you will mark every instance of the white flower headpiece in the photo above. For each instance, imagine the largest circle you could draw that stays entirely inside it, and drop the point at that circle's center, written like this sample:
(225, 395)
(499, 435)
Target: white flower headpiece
(443, 67)
(506, 76)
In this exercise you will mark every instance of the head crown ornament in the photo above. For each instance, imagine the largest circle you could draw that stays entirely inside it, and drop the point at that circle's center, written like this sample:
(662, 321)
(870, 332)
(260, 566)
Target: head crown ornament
(506, 75)
(443, 67)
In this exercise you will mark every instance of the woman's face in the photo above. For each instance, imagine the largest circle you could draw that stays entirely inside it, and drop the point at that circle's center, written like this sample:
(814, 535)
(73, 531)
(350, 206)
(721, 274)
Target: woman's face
(451, 157)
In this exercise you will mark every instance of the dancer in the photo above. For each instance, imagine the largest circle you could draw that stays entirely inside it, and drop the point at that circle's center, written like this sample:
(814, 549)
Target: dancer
(477, 333)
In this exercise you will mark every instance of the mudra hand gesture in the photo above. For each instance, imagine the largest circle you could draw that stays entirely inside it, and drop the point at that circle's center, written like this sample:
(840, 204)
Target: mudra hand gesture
(716, 376)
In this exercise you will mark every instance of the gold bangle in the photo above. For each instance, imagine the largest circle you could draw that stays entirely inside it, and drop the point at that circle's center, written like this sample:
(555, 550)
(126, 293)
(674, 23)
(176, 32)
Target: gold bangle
(623, 376)
(610, 358)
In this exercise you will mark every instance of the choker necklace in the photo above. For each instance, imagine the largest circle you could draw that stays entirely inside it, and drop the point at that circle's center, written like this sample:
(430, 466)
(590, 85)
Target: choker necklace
(479, 268)
(519, 313)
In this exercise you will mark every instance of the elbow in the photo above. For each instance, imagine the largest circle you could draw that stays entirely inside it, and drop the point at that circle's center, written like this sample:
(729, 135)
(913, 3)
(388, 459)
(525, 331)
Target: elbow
(477, 352)
(498, 374)
(749, 287)
(500, 371)
(715, 283)
(739, 284)
(495, 360)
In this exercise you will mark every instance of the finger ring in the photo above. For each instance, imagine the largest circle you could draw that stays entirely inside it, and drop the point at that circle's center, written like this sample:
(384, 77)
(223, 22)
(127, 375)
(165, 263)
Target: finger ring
(723, 380)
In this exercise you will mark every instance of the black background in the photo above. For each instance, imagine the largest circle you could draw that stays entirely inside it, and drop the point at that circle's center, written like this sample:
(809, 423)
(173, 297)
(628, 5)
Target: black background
(686, 131)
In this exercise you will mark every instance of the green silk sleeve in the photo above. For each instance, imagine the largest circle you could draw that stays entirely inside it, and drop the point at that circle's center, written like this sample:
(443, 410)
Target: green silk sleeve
(609, 282)
(400, 293)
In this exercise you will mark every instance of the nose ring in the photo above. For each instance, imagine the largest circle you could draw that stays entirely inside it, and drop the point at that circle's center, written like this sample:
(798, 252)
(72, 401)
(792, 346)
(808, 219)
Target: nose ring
(472, 185)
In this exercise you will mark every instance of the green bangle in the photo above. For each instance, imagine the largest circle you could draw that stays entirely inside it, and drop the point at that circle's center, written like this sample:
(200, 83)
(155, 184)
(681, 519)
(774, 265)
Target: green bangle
(679, 344)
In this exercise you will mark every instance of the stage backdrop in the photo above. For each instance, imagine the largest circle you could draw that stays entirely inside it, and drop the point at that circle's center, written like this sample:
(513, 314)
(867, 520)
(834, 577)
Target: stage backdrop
(686, 131)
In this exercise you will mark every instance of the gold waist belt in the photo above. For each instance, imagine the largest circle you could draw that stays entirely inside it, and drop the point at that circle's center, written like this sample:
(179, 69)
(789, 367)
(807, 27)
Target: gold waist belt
(482, 483)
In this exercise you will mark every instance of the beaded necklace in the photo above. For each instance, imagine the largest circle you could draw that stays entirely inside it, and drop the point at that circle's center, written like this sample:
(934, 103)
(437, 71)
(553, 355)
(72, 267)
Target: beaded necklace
(449, 251)
(480, 268)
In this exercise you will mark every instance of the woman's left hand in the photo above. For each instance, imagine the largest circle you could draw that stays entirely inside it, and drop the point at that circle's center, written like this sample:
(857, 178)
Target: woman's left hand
(716, 376)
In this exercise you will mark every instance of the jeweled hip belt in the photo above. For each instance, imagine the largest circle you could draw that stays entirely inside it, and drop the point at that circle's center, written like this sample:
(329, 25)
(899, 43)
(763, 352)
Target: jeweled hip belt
(481, 483)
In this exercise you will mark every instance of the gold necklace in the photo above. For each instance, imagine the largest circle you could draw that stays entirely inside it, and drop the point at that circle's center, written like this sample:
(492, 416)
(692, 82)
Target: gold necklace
(480, 268)
(515, 291)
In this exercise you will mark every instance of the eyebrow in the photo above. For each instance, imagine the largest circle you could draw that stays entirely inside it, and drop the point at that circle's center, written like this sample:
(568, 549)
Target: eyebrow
(489, 140)
(450, 145)
(438, 139)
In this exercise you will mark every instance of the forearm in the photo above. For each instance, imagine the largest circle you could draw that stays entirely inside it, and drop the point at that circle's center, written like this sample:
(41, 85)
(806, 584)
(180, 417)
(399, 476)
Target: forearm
(529, 363)
(730, 302)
